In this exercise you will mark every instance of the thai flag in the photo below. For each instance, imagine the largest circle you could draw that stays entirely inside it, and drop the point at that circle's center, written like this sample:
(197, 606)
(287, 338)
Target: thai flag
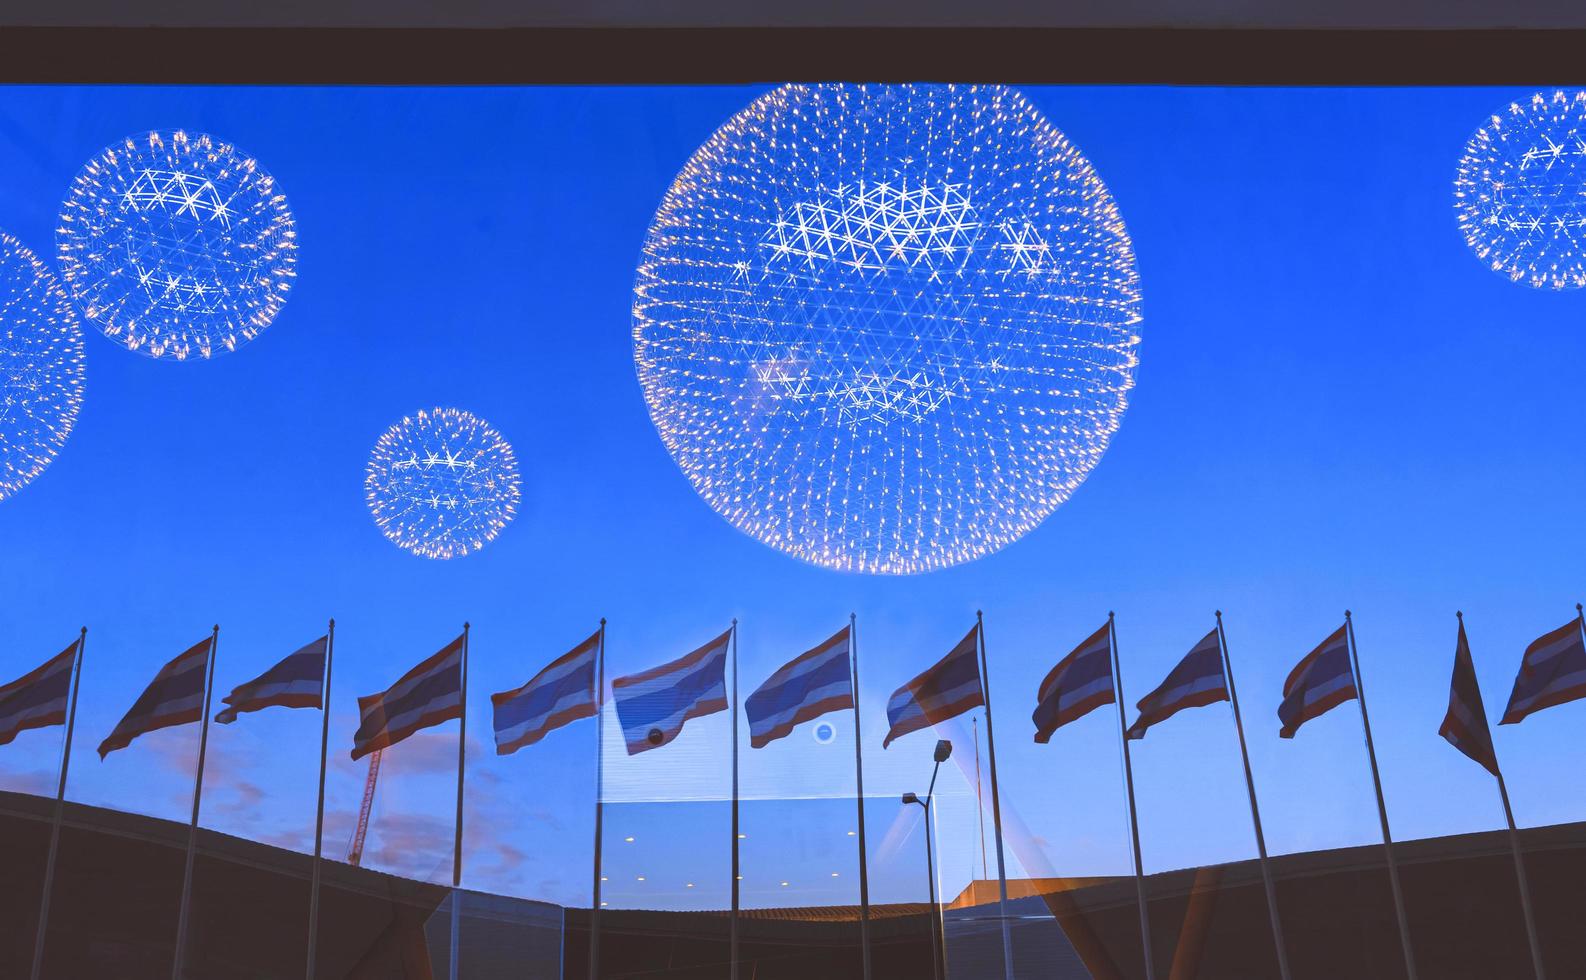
(948, 688)
(37, 699)
(1317, 684)
(1079, 684)
(296, 682)
(1553, 671)
(174, 697)
(806, 687)
(653, 706)
(427, 695)
(561, 693)
(1197, 680)
(1465, 725)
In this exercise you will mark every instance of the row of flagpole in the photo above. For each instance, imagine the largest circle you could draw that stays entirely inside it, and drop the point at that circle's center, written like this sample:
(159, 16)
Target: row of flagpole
(574, 687)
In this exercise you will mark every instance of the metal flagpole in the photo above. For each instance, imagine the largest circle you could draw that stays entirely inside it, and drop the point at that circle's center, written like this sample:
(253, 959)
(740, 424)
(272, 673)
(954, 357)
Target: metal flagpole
(600, 726)
(733, 925)
(1128, 780)
(1382, 807)
(996, 804)
(319, 811)
(1514, 833)
(457, 843)
(1519, 873)
(859, 780)
(60, 809)
(1255, 811)
(192, 827)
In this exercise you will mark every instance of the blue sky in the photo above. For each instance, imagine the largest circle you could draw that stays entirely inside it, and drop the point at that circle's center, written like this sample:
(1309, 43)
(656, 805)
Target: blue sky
(1337, 406)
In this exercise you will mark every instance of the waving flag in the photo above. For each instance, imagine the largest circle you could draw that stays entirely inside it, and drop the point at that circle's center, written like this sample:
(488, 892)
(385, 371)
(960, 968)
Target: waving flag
(1553, 671)
(560, 694)
(1465, 725)
(1317, 684)
(174, 697)
(1079, 684)
(653, 706)
(296, 682)
(1197, 680)
(810, 685)
(427, 695)
(948, 688)
(37, 699)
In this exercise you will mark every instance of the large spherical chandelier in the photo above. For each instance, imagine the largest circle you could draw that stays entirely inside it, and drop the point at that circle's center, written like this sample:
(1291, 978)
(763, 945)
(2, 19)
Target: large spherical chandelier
(889, 328)
(442, 483)
(177, 244)
(1520, 193)
(41, 366)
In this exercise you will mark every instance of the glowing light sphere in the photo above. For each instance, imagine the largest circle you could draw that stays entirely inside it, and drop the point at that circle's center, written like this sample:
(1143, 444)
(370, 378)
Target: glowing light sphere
(1520, 194)
(41, 366)
(175, 244)
(887, 329)
(442, 483)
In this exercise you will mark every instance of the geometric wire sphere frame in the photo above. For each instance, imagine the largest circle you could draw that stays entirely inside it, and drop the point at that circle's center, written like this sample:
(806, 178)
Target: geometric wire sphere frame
(175, 245)
(1520, 194)
(887, 329)
(41, 366)
(442, 483)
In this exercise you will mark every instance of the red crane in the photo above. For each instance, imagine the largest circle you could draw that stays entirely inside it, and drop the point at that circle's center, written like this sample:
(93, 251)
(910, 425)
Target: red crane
(356, 854)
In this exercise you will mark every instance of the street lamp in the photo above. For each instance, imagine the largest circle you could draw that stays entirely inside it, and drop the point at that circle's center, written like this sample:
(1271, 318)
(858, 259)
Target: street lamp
(944, 749)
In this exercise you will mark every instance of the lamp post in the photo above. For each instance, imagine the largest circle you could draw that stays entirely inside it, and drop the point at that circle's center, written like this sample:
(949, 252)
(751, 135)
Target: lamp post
(944, 749)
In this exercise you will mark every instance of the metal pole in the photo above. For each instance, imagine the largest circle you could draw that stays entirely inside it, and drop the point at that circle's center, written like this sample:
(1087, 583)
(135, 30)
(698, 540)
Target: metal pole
(1255, 811)
(733, 924)
(60, 809)
(1382, 807)
(996, 803)
(1134, 822)
(938, 927)
(859, 782)
(1514, 833)
(192, 826)
(457, 842)
(319, 811)
(600, 729)
(1525, 889)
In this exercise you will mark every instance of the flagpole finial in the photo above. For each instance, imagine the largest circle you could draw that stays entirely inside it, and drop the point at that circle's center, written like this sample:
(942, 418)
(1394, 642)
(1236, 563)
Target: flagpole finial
(217, 628)
(602, 622)
(978, 614)
(1459, 615)
(1577, 607)
(333, 622)
(466, 624)
(1346, 614)
(1219, 615)
(83, 631)
(1109, 614)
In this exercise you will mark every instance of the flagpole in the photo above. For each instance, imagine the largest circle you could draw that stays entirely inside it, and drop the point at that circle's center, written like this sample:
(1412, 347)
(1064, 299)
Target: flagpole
(996, 803)
(457, 842)
(60, 809)
(1382, 806)
(733, 925)
(859, 780)
(1514, 833)
(1255, 811)
(192, 826)
(319, 810)
(1128, 780)
(600, 728)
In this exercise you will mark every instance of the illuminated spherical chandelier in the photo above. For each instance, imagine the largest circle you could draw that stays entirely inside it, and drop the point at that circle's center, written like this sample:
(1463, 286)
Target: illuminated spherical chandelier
(887, 329)
(442, 483)
(1520, 194)
(41, 366)
(175, 244)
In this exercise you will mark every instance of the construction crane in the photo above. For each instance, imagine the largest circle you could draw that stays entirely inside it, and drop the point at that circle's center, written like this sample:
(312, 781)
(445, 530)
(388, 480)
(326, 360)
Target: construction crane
(355, 855)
